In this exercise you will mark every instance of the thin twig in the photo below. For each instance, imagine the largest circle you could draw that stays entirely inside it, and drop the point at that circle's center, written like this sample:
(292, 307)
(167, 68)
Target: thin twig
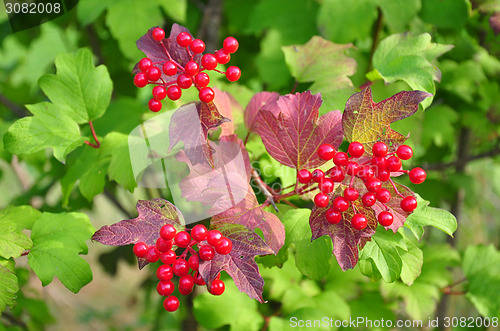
(117, 203)
(263, 186)
(97, 143)
(376, 33)
(463, 161)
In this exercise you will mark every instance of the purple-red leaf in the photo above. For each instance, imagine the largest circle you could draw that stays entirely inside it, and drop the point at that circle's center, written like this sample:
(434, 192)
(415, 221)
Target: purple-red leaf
(227, 105)
(292, 132)
(258, 101)
(153, 214)
(368, 122)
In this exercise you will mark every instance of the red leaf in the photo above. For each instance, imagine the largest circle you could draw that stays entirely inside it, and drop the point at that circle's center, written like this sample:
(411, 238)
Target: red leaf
(258, 101)
(153, 214)
(291, 131)
(226, 104)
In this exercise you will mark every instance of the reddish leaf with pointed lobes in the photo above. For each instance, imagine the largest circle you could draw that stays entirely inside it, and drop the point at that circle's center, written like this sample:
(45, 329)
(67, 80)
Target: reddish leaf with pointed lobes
(190, 124)
(292, 132)
(227, 106)
(240, 262)
(253, 108)
(225, 184)
(394, 205)
(368, 122)
(155, 51)
(153, 214)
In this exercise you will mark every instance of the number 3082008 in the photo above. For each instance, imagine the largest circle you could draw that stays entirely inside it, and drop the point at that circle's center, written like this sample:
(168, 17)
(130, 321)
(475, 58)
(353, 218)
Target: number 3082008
(32, 8)
(470, 322)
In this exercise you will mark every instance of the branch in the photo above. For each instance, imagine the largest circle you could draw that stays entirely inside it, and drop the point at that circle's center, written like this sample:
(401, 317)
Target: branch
(19, 111)
(376, 33)
(97, 143)
(461, 162)
(263, 186)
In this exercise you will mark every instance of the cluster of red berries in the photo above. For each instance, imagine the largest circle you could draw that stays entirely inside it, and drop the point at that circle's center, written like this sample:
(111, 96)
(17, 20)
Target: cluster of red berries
(188, 74)
(373, 172)
(208, 243)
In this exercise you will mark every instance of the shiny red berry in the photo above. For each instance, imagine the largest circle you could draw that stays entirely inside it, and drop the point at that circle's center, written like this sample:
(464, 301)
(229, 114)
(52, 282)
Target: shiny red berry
(233, 73)
(140, 80)
(404, 152)
(206, 252)
(380, 149)
(158, 34)
(164, 272)
(332, 216)
(152, 255)
(199, 232)
(222, 56)
(169, 68)
(159, 92)
(327, 185)
(337, 174)
(304, 176)
(184, 81)
(198, 280)
(180, 267)
(340, 204)
(144, 64)
(365, 172)
(369, 199)
(383, 195)
(140, 249)
(214, 237)
(409, 204)
(217, 287)
(359, 221)
(163, 245)
(197, 46)
(352, 168)
(165, 288)
(384, 175)
(417, 175)
(393, 163)
(379, 163)
(318, 175)
(154, 105)
(209, 61)
(373, 184)
(356, 149)
(153, 73)
(351, 194)
(168, 257)
(225, 246)
(171, 303)
(201, 79)
(191, 68)
(321, 200)
(194, 262)
(385, 218)
(184, 39)
(341, 159)
(174, 92)
(206, 95)
(182, 239)
(326, 152)
(186, 281)
(230, 45)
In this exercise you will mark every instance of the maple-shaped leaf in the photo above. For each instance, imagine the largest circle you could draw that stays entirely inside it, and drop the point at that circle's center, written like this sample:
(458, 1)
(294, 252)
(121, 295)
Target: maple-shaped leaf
(190, 124)
(240, 262)
(345, 238)
(367, 122)
(153, 214)
(226, 104)
(258, 101)
(292, 132)
(223, 184)
(166, 50)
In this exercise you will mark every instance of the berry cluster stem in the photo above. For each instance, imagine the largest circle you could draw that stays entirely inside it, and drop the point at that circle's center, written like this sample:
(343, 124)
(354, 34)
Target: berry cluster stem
(97, 143)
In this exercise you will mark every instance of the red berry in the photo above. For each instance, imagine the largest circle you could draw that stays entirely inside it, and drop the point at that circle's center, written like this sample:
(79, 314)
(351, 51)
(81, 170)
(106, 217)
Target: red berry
(230, 45)
(140, 80)
(209, 61)
(318, 175)
(404, 152)
(417, 175)
(332, 216)
(383, 195)
(327, 185)
(356, 149)
(153, 254)
(186, 282)
(341, 159)
(365, 172)
(199, 232)
(214, 237)
(198, 280)
(180, 267)
(373, 184)
(352, 168)
(202, 79)
(144, 64)
(165, 288)
(171, 303)
(384, 175)
(184, 39)
(393, 163)
(194, 262)
(222, 57)
(184, 81)
(153, 73)
(159, 92)
(378, 162)
(380, 149)
(154, 105)
(340, 204)
(337, 174)
(174, 92)
(169, 68)
(168, 232)
(206, 252)
(191, 68)
(409, 204)
(233, 73)
(385, 218)
(182, 239)
(140, 249)
(163, 245)
(206, 95)
(197, 46)
(326, 152)
(158, 34)
(225, 246)
(351, 194)
(217, 287)
(168, 257)
(304, 176)
(164, 272)
(369, 199)
(359, 221)
(321, 200)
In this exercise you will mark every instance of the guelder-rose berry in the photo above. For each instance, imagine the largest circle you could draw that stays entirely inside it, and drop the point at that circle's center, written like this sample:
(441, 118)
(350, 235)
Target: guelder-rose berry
(321, 200)
(140, 80)
(214, 237)
(352, 168)
(222, 57)
(217, 287)
(163, 245)
(180, 267)
(171, 303)
(304, 176)
(380, 149)
(184, 39)
(327, 185)
(359, 221)
(233, 73)
(153, 73)
(199, 232)
(158, 34)
(174, 92)
(206, 252)
(369, 199)
(383, 195)
(169, 68)
(224, 247)
(140, 249)
(201, 79)
(332, 216)
(373, 184)
(417, 175)
(191, 68)
(168, 257)
(144, 64)
(164, 272)
(206, 95)
(340, 204)
(318, 175)
(337, 174)
(197, 46)
(184, 81)
(152, 255)
(209, 61)
(404, 152)
(393, 163)
(326, 152)
(409, 204)
(384, 175)
(351, 194)
(154, 105)
(165, 288)
(356, 149)
(159, 92)
(341, 159)
(230, 45)
(182, 239)
(385, 218)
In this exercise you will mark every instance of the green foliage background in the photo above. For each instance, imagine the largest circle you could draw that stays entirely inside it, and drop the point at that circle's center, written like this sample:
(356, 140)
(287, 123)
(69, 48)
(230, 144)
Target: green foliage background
(444, 47)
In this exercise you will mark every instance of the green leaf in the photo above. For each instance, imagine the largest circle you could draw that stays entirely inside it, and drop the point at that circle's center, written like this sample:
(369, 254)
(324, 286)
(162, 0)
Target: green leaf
(120, 167)
(397, 18)
(438, 126)
(213, 312)
(481, 266)
(8, 284)
(82, 90)
(88, 11)
(447, 14)
(12, 242)
(429, 216)
(48, 127)
(176, 9)
(413, 259)
(23, 217)
(58, 239)
(409, 58)
(278, 280)
(463, 79)
(314, 258)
